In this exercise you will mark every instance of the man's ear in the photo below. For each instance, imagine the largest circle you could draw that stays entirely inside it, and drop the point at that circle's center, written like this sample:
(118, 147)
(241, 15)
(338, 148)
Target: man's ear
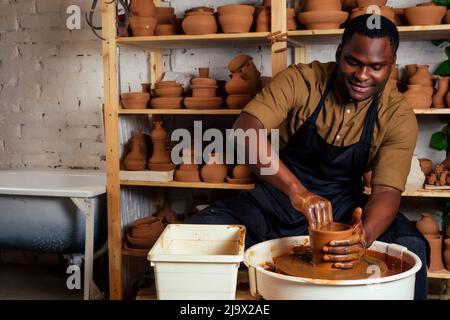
(338, 52)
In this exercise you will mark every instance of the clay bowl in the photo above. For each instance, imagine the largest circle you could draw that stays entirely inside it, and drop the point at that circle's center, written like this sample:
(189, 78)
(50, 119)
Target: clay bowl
(141, 243)
(147, 220)
(148, 230)
(143, 26)
(237, 62)
(203, 103)
(203, 72)
(198, 23)
(366, 3)
(135, 100)
(203, 91)
(235, 23)
(322, 19)
(425, 15)
(203, 82)
(316, 5)
(187, 175)
(387, 12)
(164, 84)
(167, 103)
(238, 101)
(239, 181)
(166, 30)
(236, 9)
(169, 92)
(321, 237)
(200, 9)
(447, 17)
(242, 171)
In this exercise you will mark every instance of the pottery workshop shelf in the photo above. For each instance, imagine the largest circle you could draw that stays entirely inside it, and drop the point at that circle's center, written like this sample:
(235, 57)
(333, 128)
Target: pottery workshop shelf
(427, 193)
(444, 274)
(407, 33)
(195, 41)
(181, 111)
(196, 185)
(432, 111)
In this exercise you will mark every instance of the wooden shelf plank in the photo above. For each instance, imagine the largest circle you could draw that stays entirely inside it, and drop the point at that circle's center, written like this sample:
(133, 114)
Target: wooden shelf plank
(195, 41)
(182, 111)
(197, 185)
(407, 33)
(443, 274)
(432, 111)
(427, 193)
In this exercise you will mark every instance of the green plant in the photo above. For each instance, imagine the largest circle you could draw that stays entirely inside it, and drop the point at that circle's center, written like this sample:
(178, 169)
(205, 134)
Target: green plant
(439, 139)
(444, 68)
(442, 3)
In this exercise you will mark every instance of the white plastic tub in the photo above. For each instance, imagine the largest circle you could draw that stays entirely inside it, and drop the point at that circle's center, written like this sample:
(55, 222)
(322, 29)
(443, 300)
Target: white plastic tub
(197, 262)
(274, 286)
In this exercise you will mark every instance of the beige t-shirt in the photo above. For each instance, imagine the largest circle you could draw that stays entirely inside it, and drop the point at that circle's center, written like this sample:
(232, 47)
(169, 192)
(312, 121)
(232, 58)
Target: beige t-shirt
(292, 96)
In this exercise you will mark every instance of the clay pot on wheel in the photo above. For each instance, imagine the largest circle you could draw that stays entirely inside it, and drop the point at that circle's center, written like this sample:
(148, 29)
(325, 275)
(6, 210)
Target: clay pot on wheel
(427, 225)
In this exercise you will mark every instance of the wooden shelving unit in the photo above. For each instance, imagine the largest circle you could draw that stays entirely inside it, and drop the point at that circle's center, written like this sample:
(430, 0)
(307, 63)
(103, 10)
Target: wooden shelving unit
(112, 108)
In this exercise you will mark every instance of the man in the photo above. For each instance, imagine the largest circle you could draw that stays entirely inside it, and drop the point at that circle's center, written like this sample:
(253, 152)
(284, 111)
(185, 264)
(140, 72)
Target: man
(339, 120)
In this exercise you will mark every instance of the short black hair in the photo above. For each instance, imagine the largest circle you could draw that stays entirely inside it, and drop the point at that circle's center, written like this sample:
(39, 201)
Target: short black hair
(360, 25)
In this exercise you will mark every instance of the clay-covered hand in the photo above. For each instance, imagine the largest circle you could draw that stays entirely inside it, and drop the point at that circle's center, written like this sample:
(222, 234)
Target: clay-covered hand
(317, 210)
(346, 253)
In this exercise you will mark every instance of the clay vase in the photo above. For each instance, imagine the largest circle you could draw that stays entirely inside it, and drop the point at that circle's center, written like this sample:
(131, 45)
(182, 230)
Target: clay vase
(263, 20)
(143, 8)
(439, 96)
(237, 85)
(447, 254)
(422, 76)
(417, 98)
(321, 237)
(427, 224)
(159, 135)
(435, 242)
(213, 171)
(426, 165)
(137, 157)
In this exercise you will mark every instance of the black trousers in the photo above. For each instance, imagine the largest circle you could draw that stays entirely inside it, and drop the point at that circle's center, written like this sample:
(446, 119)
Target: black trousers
(240, 210)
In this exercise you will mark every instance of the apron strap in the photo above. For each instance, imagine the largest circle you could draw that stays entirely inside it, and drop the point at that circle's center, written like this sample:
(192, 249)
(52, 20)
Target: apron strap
(315, 115)
(369, 123)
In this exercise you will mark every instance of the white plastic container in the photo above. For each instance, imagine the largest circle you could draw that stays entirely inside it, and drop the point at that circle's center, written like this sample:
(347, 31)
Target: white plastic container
(274, 286)
(197, 262)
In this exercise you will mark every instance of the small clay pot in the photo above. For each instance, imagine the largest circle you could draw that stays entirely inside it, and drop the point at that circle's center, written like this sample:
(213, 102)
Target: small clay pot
(242, 171)
(366, 3)
(166, 30)
(322, 5)
(386, 12)
(435, 242)
(213, 172)
(425, 15)
(231, 23)
(237, 85)
(426, 165)
(169, 92)
(427, 224)
(238, 101)
(167, 102)
(143, 8)
(417, 98)
(238, 62)
(143, 26)
(135, 100)
(187, 175)
(318, 238)
(236, 9)
(203, 103)
(203, 91)
(197, 24)
(322, 19)
(203, 82)
(136, 158)
(203, 72)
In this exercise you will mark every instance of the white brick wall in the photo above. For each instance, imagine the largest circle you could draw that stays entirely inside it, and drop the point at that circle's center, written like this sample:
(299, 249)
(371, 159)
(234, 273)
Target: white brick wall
(51, 80)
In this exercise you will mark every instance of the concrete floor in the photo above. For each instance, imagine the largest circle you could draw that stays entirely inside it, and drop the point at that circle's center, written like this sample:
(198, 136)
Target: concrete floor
(30, 282)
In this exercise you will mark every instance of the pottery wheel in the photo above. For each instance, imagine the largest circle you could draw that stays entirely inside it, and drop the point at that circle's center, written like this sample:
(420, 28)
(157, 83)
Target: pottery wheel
(301, 266)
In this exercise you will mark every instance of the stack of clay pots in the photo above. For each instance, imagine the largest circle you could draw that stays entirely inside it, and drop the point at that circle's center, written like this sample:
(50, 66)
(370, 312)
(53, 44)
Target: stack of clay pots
(203, 92)
(363, 8)
(322, 14)
(160, 159)
(241, 174)
(135, 100)
(214, 171)
(420, 86)
(199, 20)
(263, 18)
(143, 235)
(425, 14)
(143, 17)
(244, 83)
(167, 20)
(188, 171)
(428, 226)
(136, 158)
(236, 18)
(169, 95)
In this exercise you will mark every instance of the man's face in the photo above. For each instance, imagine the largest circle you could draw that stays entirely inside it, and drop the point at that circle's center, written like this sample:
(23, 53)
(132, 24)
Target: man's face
(364, 66)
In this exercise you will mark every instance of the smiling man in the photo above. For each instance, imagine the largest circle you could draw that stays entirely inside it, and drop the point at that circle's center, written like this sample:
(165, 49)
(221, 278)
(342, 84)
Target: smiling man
(337, 120)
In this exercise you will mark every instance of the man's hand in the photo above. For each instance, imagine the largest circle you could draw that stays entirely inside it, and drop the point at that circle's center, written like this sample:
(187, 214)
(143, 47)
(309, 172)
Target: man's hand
(317, 210)
(347, 253)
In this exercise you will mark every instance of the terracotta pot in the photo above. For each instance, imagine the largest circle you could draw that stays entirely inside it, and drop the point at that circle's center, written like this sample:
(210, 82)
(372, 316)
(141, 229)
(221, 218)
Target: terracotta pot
(136, 159)
(410, 70)
(439, 96)
(187, 175)
(263, 20)
(322, 19)
(203, 82)
(400, 18)
(242, 171)
(237, 85)
(422, 76)
(213, 171)
(148, 230)
(231, 23)
(447, 17)
(203, 103)
(427, 224)
(416, 98)
(143, 8)
(236, 9)
(238, 101)
(165, 15)
(447, 254)
(426, 165)
(387, 12)
(320, 237)
(249, 71)
(238, 62)
(143, 26)
(203, 72)
(135, 100)
(366, 3)
(197, 24)
(146, 220)
(291, 21)
(447, 99)
(162, 84)
(322, 5)
(203, 9)
(425, 15)
(167, 102)
(169, 92)
(166, 30)
(159, 136)
(435, 242)
(203, 91)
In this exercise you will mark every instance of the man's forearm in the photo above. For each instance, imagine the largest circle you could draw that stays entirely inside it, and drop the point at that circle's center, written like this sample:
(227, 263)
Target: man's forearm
(380, 211)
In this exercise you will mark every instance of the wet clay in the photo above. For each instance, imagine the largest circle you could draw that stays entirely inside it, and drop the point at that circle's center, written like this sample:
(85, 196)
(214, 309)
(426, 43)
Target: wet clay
(298, 263)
